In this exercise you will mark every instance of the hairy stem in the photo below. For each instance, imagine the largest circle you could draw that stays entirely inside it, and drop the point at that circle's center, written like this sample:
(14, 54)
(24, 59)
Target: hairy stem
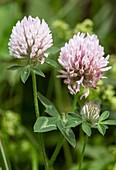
(37, 116)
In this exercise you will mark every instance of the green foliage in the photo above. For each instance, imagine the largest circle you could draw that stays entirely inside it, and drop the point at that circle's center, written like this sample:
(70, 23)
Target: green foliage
(14, 67)
(73, 120)
(64, 18)
(103, 122)
(67, 132)
(37, 71)
(102, 128)
(25, 74)
(86, 128)
(85, 26)
(52, 63)
(44, 124)
(104, 116)
(50, 108)
(62, 30)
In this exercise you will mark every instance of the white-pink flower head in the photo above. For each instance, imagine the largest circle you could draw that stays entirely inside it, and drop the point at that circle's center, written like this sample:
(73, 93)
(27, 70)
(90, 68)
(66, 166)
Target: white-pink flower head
(83, 62)
(30, 38)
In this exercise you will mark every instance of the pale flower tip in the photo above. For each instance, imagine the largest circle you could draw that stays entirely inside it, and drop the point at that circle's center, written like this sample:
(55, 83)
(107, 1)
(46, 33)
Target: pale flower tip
(85, 94)
(46, 55)
(30, 38)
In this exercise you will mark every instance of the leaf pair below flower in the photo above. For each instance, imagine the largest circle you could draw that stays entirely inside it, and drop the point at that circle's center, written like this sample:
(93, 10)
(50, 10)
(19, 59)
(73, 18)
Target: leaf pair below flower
(26, 70)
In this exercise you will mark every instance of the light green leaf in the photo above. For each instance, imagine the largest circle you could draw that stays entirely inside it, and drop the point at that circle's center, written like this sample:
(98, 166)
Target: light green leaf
(67, 133)
(45, 124)
(109, 122)
(102, 128)
(50, 108)
(25, 74)
(86, 128)
(15, 67)
(52, 50)
(73, 123)
(53, 63)
(104, 116)
(37, 71)
(72, 120)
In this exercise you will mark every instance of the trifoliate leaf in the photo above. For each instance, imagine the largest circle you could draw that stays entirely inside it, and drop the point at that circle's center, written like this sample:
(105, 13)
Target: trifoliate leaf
(72, 120)
(45, 124)
(50, 108)
(67, 133)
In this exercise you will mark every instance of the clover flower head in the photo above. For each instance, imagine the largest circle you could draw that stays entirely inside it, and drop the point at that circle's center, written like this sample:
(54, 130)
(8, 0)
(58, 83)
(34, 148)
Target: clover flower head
(90, 112)
(30, 38)
(82, 62)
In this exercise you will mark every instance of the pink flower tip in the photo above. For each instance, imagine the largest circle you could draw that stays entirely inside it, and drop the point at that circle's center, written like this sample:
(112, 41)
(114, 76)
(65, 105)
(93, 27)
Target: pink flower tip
(83, 63)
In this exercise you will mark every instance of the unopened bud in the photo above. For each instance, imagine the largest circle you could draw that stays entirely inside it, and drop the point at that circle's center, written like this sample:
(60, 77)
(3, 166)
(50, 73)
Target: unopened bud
(90, 112)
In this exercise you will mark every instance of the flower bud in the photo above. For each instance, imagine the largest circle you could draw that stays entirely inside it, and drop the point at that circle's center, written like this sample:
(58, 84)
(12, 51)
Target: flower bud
(90, 112)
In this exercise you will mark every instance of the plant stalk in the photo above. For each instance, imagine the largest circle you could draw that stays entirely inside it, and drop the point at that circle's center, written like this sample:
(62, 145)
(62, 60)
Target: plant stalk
(6, 161)
(35, 95)
(37, 116)
(74, 103)
(82, 153)
(56, 151)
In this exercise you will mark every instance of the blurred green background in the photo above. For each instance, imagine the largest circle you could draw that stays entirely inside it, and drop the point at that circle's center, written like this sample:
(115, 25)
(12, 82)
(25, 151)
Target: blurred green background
(65, 18)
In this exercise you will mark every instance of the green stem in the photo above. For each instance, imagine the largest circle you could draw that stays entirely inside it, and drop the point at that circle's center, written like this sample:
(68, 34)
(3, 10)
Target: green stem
(82, 154)
(44, 153)
(74, 102)
(35, 94)
(56, 151)
(6, 162)
(67, 154)
(34, 159)
(37, 115)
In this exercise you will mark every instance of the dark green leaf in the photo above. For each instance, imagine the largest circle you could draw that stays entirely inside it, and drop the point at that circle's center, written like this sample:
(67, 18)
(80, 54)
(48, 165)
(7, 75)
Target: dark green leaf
(14, 67)
(104, 116)
(45, 124)
(38, 71)
(67, 133)
(53, 63)
(52, 50)
(74, 115)
(102, 128)
(25, 74)
(50, 108)
(86, 128)
(109, 122)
